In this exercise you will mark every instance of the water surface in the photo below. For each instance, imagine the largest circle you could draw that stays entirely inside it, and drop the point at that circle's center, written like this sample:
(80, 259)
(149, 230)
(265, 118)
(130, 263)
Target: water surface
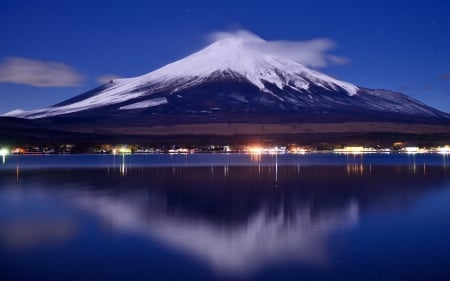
(225, 217)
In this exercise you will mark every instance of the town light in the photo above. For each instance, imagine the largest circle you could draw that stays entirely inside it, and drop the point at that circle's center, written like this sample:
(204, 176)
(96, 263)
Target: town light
(444, 149)
(125, 150)
(3, 152)
(255, 149)
(350, 149)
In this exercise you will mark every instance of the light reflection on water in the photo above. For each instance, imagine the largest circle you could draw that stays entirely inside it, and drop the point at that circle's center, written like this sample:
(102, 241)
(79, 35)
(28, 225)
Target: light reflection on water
(179, 160)
(236, 215)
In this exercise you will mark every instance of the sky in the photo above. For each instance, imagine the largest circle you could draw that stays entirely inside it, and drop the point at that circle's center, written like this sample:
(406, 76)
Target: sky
(53, 50)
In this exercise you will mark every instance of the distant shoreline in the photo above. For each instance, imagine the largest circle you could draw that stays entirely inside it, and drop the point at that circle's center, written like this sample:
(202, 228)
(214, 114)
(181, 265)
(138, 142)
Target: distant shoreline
(316, 136)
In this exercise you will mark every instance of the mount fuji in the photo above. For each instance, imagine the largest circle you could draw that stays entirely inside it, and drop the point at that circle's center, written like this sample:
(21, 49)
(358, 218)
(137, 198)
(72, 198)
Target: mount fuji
(232, 81)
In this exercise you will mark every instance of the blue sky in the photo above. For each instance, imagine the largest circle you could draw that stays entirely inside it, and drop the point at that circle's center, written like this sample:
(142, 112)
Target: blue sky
(74, 45)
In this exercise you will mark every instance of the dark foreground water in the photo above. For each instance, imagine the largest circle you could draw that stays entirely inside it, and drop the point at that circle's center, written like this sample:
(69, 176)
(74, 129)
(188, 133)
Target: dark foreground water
(225, 217)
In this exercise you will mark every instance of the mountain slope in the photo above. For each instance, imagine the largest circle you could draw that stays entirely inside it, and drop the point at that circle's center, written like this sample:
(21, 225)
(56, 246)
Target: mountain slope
(229, 79)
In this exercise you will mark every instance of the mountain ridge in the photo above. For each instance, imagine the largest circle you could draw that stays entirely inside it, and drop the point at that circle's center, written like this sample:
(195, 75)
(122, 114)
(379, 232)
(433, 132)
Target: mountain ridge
(231, 80)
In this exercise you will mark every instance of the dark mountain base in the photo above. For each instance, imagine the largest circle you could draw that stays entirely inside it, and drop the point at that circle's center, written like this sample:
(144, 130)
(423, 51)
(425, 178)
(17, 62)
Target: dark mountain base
(317, 135)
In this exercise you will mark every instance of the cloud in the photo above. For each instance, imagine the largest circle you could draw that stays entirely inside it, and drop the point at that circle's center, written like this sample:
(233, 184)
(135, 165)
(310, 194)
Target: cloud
(313, 53)
(38, 73)
(106, 78)
(338, 60)
(445, 76)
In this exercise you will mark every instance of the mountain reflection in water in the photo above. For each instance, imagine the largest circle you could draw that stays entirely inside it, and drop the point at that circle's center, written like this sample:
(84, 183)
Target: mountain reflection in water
(238, 220)
(267, 233)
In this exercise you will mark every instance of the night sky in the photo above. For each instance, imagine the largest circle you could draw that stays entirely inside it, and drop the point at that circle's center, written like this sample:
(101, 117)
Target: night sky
(53, 50)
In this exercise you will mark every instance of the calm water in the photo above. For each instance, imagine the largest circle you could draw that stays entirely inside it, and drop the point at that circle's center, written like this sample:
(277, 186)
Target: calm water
(225, 217)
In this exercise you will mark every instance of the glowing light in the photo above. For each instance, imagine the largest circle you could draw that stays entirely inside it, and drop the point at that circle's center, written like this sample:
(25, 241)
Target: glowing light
(444, 149)
(18, 150)
(179, 150)
(411, 149)
(266, 150)
(351, 149)
(414, 149)
(125, 150)
(298, 150)
(3, 152)
(123, 167)
(255, 149)
(276, 150)
(360, 150)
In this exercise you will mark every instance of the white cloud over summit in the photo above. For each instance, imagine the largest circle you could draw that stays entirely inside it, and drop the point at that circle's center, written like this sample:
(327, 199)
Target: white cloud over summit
(312, 53)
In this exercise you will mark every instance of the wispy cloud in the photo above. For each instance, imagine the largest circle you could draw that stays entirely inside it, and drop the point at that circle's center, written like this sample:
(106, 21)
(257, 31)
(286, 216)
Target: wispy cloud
(38, 73)
(313, 53)
(106, 78)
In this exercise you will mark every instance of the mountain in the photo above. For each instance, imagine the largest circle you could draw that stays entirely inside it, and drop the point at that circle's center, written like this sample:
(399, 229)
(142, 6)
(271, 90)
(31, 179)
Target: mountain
(232, 88)
(229, 76)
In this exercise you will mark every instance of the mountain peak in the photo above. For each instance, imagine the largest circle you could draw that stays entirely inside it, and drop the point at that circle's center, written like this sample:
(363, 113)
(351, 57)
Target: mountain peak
(238, 73)
(245, 56)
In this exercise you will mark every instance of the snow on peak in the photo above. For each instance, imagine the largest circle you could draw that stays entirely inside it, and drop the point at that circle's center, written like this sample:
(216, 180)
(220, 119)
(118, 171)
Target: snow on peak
(243, 53)
(14, 113)
(252, 58)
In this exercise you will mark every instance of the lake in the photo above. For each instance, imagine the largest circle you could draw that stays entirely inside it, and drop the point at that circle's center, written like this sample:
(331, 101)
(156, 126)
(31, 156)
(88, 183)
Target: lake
(318, 216)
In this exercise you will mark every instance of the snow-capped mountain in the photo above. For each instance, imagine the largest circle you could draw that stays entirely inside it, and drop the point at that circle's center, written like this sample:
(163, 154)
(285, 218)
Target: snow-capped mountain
(230, 76)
